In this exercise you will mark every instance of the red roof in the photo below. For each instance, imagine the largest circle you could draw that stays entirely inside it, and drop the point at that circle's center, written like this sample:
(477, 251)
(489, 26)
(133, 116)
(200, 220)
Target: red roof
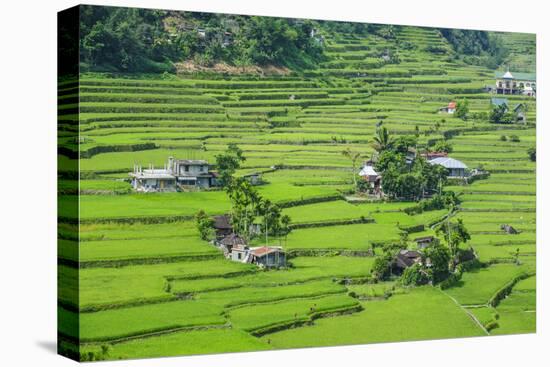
(264, 250)
(452, 105)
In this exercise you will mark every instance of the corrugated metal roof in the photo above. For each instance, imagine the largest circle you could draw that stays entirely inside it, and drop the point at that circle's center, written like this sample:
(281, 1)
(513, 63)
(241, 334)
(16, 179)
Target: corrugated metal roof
(532, 77)
(499, 101)
(264, 250)
(368, 171)
(448, 162)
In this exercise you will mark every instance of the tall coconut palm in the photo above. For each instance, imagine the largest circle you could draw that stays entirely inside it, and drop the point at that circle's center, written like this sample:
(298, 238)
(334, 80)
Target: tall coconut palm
(353, 156)
(382, 140)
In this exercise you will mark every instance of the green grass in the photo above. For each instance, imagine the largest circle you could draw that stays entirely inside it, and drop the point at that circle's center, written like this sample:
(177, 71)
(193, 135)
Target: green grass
(250, 295)
(356, 236)
(124, 322)
(185, 343)
(477, 287)
(99, 286)
(261, 316)
(143, 248)
(153, 204)
(409, 316)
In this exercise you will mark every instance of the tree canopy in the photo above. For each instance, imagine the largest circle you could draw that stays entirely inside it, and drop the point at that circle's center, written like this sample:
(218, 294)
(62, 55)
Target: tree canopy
(148, 40)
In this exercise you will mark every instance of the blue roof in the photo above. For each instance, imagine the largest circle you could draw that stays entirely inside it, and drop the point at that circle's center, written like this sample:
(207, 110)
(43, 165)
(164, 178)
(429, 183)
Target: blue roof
(499, 101)
(448, 162)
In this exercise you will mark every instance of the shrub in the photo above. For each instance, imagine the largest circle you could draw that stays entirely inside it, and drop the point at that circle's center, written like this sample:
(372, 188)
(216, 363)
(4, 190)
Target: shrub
(503, 138)
(532, 152)
(415, 275)
(514, 138)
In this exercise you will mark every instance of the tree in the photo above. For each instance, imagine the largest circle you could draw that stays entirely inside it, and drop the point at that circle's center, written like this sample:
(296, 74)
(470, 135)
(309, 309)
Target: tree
(438, 257)
(381, 268)
(285, 227)
(204, 225)
(500, 115)
(403, 144)
(382, 140)
(462, 109)
(415, 275)
(353, 157)
(442, 146)
(532, 152)
(454, 234)
(245, 205)
(228, 162)
(388, 159)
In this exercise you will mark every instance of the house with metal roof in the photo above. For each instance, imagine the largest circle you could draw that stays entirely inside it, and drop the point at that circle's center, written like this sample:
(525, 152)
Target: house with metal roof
(267, 256)
(497, 101)
(519, 109)
(374, 179)
(516, 83)
(456, 168)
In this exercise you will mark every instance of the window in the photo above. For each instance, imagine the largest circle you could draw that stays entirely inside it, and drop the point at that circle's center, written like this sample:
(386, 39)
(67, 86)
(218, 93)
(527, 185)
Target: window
(239, 256)
(500, 84)
(186, 168)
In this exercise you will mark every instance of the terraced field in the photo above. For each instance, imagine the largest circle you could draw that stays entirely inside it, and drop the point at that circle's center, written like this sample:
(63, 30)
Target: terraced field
(149, 286)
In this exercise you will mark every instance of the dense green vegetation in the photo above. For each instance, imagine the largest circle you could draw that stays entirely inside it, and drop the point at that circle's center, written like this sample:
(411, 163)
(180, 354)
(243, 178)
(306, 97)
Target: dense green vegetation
(151, 284)
(132, 40)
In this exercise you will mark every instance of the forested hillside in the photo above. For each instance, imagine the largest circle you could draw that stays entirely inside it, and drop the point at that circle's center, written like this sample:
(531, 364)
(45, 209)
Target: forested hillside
(145, 40)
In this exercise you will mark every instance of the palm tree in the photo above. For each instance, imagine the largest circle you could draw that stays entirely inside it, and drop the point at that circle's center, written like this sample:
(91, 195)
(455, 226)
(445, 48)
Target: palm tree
(382, 140)
(353, 156)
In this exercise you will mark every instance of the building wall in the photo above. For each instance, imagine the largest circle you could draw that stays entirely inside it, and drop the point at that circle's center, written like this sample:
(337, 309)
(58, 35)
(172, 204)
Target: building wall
(513, 86)
(192, 169)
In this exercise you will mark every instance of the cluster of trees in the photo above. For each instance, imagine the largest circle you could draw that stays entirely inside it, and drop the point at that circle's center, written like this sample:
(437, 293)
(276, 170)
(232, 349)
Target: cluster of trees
(500, 115)
(139, 40)
(462, 109)
(405, 176)
(477, 47)
(247, 205)
(439, 261)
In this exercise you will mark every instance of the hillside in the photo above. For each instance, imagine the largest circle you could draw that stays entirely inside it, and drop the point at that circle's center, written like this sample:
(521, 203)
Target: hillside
(140, 254)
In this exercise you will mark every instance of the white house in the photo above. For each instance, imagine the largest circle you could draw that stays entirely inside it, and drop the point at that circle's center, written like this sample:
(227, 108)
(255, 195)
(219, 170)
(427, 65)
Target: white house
(516, 83)
(176, 173)
(369, 175)
(450, 108)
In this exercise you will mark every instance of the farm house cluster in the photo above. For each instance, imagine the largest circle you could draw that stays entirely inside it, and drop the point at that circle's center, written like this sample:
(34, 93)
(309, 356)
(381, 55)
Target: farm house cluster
(236, 248)
(456, 170)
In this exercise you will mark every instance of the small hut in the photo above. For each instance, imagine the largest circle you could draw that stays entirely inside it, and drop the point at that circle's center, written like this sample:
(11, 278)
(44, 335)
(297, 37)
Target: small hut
(426, 241)
(222, 226)
(231, 241)
(268, 256)
(405, 259)
(509, 229)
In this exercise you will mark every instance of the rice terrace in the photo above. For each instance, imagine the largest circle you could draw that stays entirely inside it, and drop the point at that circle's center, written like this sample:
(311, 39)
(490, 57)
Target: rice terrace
(232, 183)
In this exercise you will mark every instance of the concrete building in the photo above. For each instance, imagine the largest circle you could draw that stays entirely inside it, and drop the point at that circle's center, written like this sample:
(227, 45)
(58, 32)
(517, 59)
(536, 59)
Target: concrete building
(176, 174)
(516, 83)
